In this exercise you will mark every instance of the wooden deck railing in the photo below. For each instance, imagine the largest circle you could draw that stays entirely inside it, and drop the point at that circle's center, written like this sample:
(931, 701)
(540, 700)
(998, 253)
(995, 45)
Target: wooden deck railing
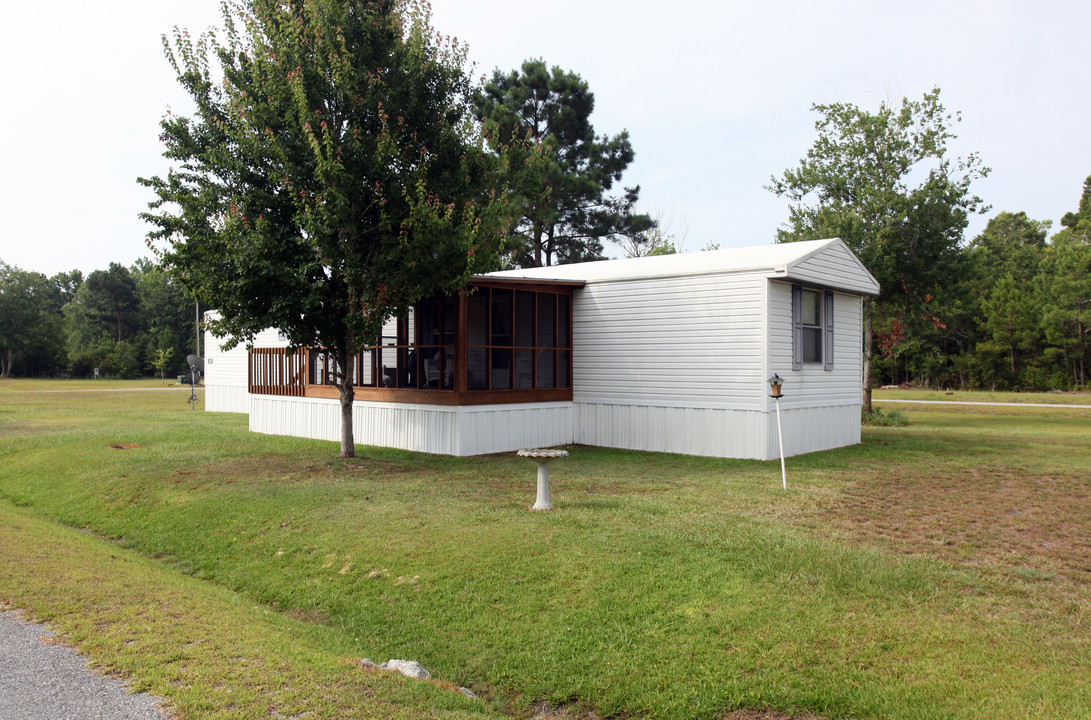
(273, 371)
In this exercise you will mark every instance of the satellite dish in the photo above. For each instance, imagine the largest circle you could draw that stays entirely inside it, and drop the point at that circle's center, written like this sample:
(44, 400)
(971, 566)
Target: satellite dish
(195, 361)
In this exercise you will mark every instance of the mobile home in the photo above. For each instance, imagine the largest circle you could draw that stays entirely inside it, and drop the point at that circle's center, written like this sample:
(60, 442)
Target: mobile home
(669, 353)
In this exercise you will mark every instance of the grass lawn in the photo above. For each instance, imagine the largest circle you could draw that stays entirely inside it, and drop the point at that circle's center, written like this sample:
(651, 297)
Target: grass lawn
(1051, 398)
(939, 570)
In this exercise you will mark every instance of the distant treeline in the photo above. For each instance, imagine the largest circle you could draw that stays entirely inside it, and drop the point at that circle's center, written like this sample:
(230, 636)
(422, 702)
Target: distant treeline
(127, 322)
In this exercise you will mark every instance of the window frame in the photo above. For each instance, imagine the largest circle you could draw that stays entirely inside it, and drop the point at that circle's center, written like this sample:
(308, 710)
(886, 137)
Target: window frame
(825, 327)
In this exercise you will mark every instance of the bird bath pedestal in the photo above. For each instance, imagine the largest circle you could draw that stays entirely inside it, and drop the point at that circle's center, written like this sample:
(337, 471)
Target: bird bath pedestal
(543, 456)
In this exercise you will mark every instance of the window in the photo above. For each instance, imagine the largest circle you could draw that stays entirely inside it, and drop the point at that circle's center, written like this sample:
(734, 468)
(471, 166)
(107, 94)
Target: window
(811, 320)
(812, 328)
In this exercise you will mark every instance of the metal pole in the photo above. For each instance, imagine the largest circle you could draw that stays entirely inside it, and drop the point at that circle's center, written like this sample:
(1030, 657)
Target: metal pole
(780, 438)
(197, 325)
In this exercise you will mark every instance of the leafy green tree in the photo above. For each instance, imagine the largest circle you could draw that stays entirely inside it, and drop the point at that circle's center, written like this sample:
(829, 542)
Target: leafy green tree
(166, 314)
(30, 322)
(1000, 301)
(1067, 281)
(1077, 225)
(885, 184)
(1011, 316)
(161, 358)
(1011, 244)
(107, 303)
(563, 206)
(332, 177)
(1065, 289)
(104, 311)
(67, 283)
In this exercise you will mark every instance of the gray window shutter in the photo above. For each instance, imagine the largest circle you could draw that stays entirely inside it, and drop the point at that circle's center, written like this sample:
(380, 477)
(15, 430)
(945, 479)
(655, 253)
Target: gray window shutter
(827, 320)
(797, 327)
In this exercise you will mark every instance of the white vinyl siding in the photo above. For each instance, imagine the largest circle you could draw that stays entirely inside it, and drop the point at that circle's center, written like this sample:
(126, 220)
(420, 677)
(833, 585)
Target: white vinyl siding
(813, 385)
(678, 342)
(226, 371)
(833, 266)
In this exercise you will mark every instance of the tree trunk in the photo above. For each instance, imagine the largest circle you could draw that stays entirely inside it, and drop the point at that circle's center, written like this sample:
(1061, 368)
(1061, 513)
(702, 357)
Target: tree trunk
(869, 352)
(9, 359)
(1011, 344)
(1083, 350)
(549, 244)
(345, 361)
(537, 233)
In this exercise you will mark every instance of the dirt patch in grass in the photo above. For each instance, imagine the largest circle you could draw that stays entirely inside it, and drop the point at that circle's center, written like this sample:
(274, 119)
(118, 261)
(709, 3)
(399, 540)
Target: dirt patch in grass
(279, 468)
(984, 517)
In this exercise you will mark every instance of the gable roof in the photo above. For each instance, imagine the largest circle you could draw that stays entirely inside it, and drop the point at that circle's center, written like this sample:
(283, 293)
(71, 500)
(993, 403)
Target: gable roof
(828, 263)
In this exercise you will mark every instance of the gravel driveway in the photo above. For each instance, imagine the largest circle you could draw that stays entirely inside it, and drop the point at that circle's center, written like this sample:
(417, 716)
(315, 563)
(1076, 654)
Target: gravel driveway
(52, 682)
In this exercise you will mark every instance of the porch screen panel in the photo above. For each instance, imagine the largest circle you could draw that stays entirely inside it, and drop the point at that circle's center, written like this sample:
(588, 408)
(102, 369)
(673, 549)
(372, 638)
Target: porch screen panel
(564, 340)
(522, 337)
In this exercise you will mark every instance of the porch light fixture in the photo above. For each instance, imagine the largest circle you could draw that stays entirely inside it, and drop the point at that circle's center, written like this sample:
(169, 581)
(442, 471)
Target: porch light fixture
(775, 384)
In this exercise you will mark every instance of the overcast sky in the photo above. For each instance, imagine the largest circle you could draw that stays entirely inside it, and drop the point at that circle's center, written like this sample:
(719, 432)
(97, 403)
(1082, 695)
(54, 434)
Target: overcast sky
(716, 98)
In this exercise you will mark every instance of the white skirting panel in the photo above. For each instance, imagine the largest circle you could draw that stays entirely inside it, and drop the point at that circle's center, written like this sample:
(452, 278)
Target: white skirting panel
(424, 428)
(481, 429)
(813, 428)
(716, 432)
(711, 432)
(500, 428)
(440, 429)
(227, 398)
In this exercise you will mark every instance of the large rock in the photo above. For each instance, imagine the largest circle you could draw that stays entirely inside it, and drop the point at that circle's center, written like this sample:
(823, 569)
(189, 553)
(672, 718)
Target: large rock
(409, 668)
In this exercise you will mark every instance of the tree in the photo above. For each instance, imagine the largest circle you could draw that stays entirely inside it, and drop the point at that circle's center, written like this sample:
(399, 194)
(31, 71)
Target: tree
(103, 313)
(1011, 244)
(1011, 316)
(1000, 302)
(108, 300)
(67, 283)
(1078, 224)
(30, 327)
(659, 239)
(563, 207)
(1067, 288)
(167, 316)
(333, 176)
(883, 182)
(160, 359)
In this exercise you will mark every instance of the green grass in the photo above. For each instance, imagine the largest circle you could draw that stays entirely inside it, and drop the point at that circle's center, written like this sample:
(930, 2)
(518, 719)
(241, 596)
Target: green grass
(662, 586)
(37, 386)
(1051, 398)
(208, 651)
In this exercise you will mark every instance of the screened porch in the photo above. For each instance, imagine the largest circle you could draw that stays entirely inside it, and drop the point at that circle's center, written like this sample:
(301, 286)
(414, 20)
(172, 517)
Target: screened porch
(501, 341)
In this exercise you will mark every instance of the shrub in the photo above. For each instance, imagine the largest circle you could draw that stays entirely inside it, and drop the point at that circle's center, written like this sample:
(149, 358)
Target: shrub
(879, 418)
